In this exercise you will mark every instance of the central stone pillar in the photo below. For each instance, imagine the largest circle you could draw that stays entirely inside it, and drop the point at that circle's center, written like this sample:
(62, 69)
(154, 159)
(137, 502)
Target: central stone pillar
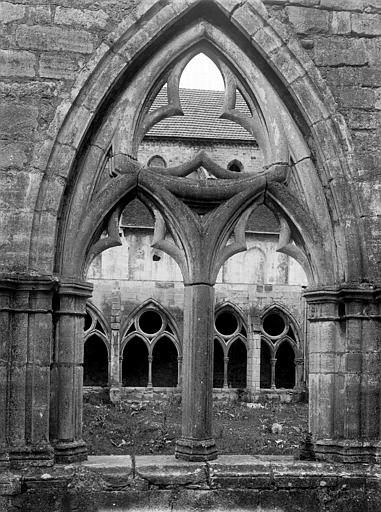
(253, 362)
(196, 442)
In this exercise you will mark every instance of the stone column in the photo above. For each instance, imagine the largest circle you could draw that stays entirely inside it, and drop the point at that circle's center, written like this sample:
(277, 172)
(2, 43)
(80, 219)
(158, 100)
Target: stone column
(179, 371)
(196, 442)
(67, 372)
(344, 345)
(6, 295)
(226, 362)
(273, 363)
(150, 359)
(253, 362)
(25, 355)
(299, 371)
(114, 377)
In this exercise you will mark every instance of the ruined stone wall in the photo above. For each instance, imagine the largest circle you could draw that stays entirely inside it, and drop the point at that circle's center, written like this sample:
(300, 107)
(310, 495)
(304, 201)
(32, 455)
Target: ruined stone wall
(46, 46)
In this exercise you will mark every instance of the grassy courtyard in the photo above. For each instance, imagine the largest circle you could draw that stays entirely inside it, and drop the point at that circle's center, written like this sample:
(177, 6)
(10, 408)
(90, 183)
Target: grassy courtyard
(140, 428)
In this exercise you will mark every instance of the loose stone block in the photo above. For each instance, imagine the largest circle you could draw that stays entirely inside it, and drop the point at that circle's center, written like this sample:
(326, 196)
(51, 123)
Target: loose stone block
(54, 38)
(366, 24)
(308, 21)
(10, 12)
(84, 17)
(17, 63)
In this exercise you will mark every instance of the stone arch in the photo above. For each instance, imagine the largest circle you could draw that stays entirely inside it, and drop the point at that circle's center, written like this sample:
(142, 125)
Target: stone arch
(250, 21)
(322, 204)
(98, 318)
(293, 323)
(154, 305)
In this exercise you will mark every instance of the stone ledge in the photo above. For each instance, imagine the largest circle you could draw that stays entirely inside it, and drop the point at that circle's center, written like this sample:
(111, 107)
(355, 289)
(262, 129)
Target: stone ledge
(163, 483)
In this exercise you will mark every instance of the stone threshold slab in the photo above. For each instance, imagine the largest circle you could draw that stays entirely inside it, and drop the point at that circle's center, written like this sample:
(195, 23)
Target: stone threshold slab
(229, 471)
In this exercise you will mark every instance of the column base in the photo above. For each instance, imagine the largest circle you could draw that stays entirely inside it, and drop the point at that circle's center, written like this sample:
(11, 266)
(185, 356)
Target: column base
(348, 451)
(196, 451)
(75, 451)
(115, 394)
(22, 456)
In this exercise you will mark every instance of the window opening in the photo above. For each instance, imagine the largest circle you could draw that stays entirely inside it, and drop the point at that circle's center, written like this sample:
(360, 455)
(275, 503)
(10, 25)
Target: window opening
(237, 365)
(235, 166)
(265, 370)
(164, 363)
(218, 365)
(88, 321)
(150, 322)
(157, 161)
(202, 73)
(226, 323)
(285, 366)
(95, 362)
(273, 324)
(99, 327)
(135, 363)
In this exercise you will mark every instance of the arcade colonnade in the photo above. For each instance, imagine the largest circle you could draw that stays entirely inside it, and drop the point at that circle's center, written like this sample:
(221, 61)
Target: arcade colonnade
(144, 353)
(307, 180)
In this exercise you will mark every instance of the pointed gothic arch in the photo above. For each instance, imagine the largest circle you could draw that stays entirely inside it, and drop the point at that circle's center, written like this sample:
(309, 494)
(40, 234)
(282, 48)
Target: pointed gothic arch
(170, 326)
(305, 89)
(318, 228)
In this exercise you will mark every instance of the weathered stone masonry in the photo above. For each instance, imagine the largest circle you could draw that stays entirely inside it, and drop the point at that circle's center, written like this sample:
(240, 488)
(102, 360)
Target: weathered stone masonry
(73, 75)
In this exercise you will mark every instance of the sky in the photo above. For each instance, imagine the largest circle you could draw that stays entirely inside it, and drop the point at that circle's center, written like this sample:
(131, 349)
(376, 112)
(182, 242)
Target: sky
(202, 73)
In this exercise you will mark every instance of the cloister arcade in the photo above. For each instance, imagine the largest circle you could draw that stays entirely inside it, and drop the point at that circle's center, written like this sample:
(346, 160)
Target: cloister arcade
(93, 173)
(151, 350)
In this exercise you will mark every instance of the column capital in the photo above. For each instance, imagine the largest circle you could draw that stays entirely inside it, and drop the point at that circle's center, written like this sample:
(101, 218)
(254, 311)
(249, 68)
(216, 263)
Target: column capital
(75, 287)
(27, 282)
(345, 292)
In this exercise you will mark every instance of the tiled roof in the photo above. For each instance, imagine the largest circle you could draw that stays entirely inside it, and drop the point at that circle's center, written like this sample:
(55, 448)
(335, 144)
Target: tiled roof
(202, 109)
